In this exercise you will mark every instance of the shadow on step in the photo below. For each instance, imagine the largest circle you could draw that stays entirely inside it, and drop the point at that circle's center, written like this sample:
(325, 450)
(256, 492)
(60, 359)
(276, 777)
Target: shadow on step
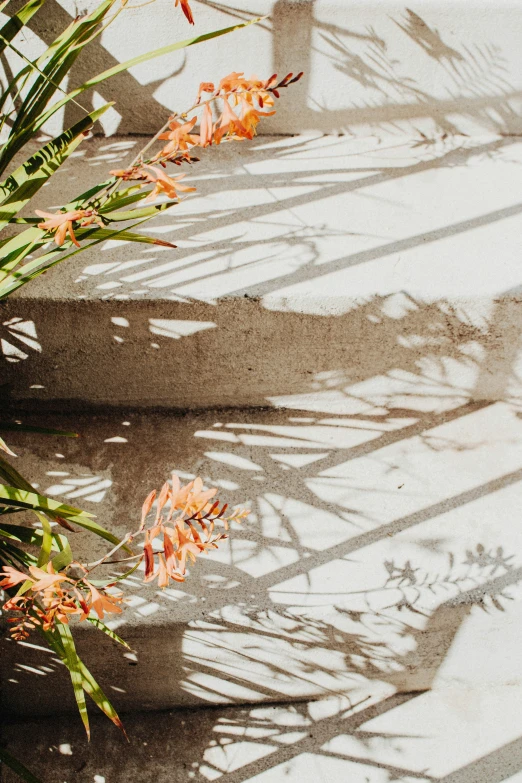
(393, 352)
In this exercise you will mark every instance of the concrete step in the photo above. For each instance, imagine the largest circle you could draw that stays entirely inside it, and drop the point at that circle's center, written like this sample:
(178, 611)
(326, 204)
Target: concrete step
(447, 735)
(306, 267)
(381, 557)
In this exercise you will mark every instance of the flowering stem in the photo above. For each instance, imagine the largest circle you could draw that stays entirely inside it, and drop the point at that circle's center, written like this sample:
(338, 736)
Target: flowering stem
(125, 540)
(199, 104)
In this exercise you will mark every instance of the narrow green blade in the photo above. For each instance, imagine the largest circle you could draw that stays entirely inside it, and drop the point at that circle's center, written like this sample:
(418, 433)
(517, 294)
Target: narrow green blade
(27, 179)
(17, 767)
(16, 22)
(106, 630)
(73, 664)
(142, 58)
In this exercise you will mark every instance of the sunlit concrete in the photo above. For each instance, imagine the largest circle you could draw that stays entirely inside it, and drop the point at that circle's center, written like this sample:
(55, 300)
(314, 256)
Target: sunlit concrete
(305, 266)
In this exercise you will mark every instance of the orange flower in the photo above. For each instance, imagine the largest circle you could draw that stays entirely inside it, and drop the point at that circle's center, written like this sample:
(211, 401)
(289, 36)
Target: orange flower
(59, 607)
(44, 579)
(164, 184)
(186, 548)
(206, 127)
(180, 494)
(204, 87)
(126, 174)
(250, 117)
(147, 505)
(230, 125)
(12, 577)
(179, 137)
(233, 81)
(100, 602)
(149, 558)
(185, 7)
(62, 223)
(198, 498)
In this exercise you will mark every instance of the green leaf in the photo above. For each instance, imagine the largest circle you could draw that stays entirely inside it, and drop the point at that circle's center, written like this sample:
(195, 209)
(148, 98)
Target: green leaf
(17, 190)
(139, 212)
(122, 198)
(73, 664)
(102, 627)
(51, 68)
(12, 496)
(13, 427)
(17, 767)
(93, 527)
(26, 535)
(36, 267)
(9, 474)
(87, 196)
(7, 510)
(92, 688)
(64, 558)
(47, 541)
(32, 500)
(142, 58)
(121, 235)
(89, 684)
(10, 552)
(5, 447)
(16, 22)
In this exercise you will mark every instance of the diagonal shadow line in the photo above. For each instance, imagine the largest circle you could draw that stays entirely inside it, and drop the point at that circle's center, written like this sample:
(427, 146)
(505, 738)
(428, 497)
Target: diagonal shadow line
(454, 157)
(264, 585)
(392, 528)
(501, 764)
(399, 773)
(493, 768)
(426, 422)
(401, 245)
(327, 728)
(492, 588)
(372, 254)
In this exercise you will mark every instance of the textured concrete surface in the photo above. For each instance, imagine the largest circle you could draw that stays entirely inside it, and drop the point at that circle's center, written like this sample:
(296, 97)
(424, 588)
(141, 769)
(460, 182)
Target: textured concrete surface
(441, 67)
(362, 293)
(444, 736)
(382, 553)
(371, 605)
(306, 265)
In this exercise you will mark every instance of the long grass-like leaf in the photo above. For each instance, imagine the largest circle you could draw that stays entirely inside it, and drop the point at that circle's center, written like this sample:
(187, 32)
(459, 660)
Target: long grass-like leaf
(38, 266)
(89, 684)
(64, 558)
(16, 22)
(30, 535)
(32, 500)
(47, 540)
(12, 477)
(28, 178)
(49, 75)
(13, 427)
(142, 58)
(73, 664)
(17, 767)
(106, 630)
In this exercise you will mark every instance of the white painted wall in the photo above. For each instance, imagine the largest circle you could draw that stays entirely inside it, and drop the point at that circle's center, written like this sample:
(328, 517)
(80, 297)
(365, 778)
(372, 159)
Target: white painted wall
(438, 67)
